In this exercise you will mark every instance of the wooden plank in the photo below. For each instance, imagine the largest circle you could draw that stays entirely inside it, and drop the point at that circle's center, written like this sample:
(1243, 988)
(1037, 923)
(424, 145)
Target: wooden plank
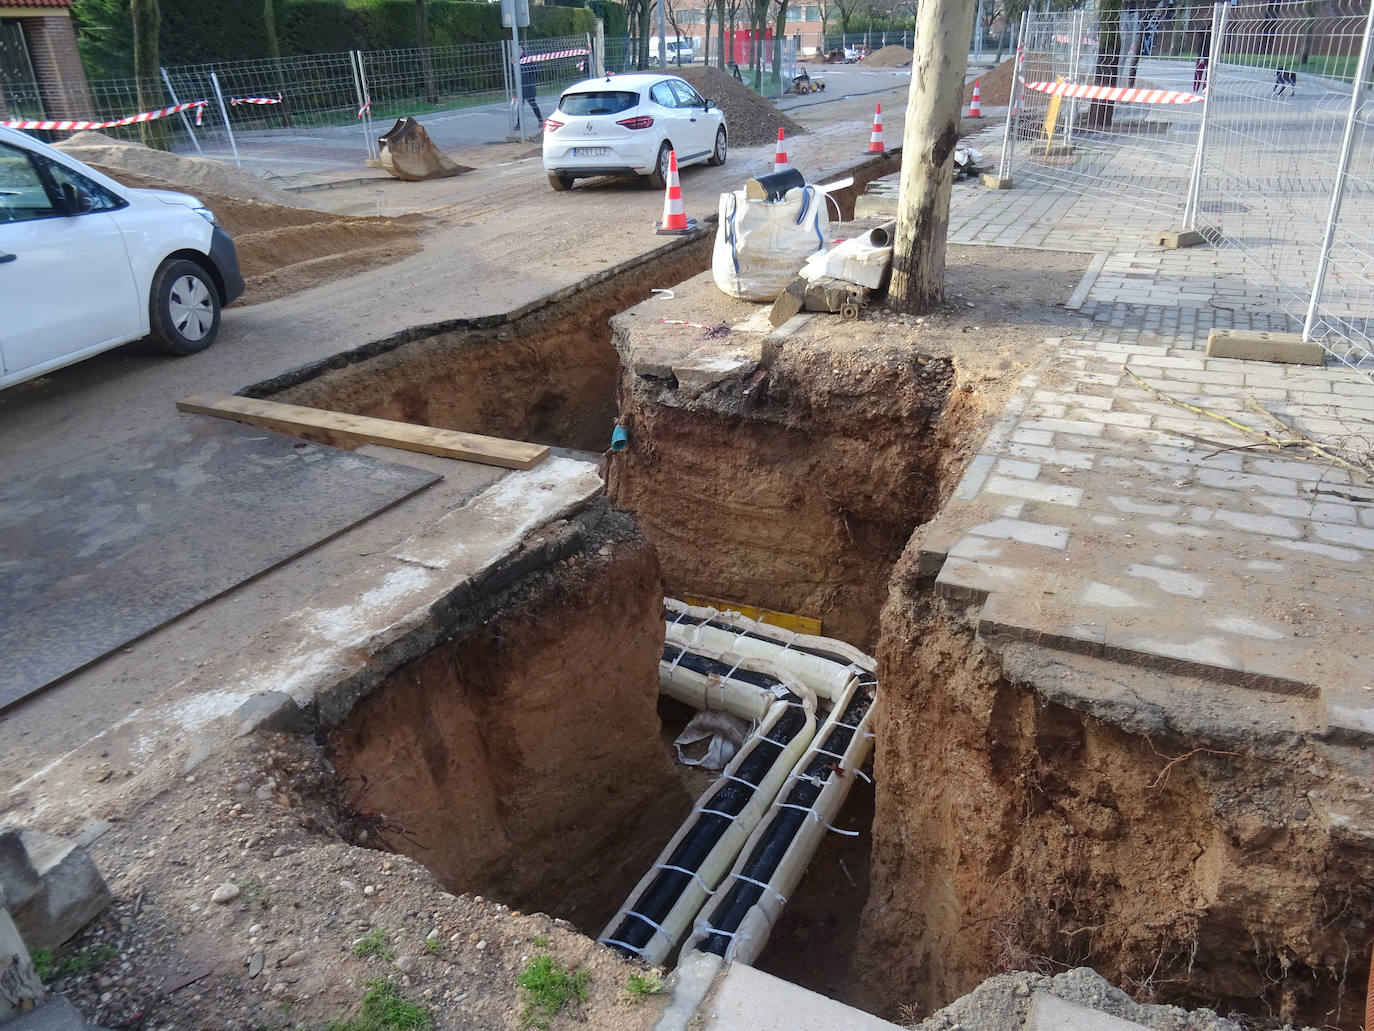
(786, 620)
(296, 420)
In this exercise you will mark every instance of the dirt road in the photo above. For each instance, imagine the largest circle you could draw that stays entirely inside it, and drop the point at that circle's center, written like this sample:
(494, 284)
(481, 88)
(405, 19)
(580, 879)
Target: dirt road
(502, 239)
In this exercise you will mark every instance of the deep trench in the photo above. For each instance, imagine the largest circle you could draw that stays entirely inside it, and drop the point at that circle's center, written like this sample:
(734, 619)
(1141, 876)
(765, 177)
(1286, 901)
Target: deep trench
(525, 758)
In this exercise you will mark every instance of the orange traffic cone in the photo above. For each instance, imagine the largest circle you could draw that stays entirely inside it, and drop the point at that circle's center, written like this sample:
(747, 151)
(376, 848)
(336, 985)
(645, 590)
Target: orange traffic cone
(975, 109)
(875, 142)
(675, 221)
(780, 163)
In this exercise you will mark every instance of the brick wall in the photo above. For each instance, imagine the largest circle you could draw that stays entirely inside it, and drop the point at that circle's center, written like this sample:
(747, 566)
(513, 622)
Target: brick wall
(57, 64)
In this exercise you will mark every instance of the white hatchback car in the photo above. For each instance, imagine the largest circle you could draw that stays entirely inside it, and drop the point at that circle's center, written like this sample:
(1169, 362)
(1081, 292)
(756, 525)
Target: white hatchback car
(87, 264)
(626, 125)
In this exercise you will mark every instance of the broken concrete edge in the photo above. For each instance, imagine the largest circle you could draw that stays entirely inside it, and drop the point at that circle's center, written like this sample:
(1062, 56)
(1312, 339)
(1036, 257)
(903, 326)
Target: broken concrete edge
(688, 986)
(1258, 346)
(1085, 285)
(1173, 239)
(73, 892)
(358, 355)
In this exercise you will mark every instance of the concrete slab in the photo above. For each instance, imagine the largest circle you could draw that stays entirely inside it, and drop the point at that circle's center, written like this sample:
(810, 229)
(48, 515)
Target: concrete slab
(1176, 238)
(750, 1000)
(1051, 1013)
(1264, 347)
(73, 892)
(56, 1015)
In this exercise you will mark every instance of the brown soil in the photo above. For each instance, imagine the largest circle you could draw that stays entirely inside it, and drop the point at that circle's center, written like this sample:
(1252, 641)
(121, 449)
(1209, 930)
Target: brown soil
(283, 248)
(994, 87)
(889, 57)
(546, 376)
(802, 500)
(550, 744)
(750, 119)
(1184, 869)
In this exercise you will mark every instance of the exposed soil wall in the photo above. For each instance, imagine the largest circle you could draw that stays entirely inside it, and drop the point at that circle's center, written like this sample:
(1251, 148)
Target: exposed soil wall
(1014, 832)
(801, 500)
(521, 760)
(546, 374)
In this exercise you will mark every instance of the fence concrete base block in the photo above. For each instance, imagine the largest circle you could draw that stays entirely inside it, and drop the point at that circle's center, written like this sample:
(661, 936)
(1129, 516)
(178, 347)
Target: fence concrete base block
(19, 881)
(73, 892)
(1289, 348)
(993, 182)
(1176, 238)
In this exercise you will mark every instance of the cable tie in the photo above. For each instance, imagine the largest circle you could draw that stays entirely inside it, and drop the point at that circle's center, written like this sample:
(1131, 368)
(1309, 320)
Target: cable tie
(716, 812)
(673, 668)
(689, 873)
(623, 945)
(738, 780)
(766, 887)
(656, 926)
(817, 817)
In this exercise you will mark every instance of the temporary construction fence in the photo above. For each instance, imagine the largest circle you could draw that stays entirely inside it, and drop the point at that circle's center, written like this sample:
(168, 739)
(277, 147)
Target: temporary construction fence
(1251, 123)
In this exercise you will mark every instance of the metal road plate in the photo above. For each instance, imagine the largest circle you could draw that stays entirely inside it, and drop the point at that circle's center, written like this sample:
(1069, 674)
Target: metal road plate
(97, 553)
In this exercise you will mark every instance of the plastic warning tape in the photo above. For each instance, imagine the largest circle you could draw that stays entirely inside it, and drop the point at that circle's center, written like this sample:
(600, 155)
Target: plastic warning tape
(73, 126)
(1125, 95)
(256, 100)
(553, 55)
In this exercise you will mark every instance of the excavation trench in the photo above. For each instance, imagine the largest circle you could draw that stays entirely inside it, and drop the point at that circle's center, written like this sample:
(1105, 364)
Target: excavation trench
(1013, 824)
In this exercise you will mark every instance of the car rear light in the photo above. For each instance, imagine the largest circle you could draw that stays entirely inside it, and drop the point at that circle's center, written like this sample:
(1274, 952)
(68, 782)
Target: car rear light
(552, 125)
(638, 122)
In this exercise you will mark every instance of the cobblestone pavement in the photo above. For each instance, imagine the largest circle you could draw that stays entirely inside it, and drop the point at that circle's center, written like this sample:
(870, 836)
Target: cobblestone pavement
(1102, 517)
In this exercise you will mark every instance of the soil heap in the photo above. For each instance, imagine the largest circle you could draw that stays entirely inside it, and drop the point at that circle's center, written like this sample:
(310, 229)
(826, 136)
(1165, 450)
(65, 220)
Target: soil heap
(282, 246)
(889, 57)
(751, 120)
(994, 88)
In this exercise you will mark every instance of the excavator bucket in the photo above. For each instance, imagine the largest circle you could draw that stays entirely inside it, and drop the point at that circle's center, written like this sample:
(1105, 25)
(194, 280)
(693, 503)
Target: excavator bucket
(407, 152)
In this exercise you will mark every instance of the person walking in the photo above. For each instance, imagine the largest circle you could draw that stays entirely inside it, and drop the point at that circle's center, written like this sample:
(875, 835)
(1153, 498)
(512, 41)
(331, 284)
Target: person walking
(1200, 70)
(528, 84)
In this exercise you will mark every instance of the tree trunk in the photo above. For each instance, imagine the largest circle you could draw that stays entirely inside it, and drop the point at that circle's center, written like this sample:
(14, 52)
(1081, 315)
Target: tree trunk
(147, 24)
(722, 58)
(1108, 67)
(779, 27)
(932, 129)
(646, 13)
(269, 24)
(422, 41)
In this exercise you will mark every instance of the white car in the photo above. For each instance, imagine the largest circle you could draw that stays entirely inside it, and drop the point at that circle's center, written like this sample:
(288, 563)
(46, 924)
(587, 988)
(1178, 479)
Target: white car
(679, 51)
(87, 264)
(626, 125)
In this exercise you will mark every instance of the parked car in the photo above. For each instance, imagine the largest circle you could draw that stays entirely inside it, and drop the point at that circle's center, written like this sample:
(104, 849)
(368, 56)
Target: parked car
(626, 125)
(679, 50)
(87, 264)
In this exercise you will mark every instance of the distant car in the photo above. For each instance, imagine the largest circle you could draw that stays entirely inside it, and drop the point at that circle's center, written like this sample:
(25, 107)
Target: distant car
(626, 125)
(852, 54)
(678, 51)
(87, 264)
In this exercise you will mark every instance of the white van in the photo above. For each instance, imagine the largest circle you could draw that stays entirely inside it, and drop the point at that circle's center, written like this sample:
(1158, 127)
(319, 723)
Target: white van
(677, 48)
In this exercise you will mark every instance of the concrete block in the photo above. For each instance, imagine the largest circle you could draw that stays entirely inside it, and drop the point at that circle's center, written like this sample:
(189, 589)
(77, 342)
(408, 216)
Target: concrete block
(272, 711)
(57, 1015)
(788, 303)
(749, 998)
(19, 881)
(1252, 345)
(19, 985)
(73, 891)
(1173, 239)
(1051, 1013)
(993, 182)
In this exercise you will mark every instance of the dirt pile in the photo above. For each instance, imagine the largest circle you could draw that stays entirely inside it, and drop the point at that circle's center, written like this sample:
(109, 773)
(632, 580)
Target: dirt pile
(751, 120)
(191, 174)
(889, 57)
(994, 87)
(283, 248)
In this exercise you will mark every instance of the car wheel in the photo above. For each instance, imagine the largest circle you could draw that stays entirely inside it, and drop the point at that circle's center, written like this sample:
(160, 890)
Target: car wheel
(718, 155)
(560, 182)
(658, 178)
(183, 307)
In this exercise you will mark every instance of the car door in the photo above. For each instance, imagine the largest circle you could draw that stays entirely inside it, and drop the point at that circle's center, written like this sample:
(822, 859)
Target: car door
(675, 125)
(700, 127)
(65, 282)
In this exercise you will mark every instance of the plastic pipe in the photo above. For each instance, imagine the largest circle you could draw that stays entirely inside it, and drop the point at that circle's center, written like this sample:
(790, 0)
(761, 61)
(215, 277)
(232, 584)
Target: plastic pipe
(659, 911)
(744, 910)
(706, 679)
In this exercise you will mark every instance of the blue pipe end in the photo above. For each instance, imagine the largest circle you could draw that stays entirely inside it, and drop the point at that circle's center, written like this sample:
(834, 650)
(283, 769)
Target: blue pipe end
(620, 440)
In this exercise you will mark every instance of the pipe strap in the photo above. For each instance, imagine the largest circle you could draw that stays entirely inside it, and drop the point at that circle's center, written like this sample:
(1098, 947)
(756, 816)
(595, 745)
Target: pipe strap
(690, 873)
(817, 817)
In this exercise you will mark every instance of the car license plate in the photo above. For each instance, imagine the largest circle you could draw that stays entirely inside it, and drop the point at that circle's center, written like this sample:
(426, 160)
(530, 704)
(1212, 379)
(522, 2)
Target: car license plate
(591, 152)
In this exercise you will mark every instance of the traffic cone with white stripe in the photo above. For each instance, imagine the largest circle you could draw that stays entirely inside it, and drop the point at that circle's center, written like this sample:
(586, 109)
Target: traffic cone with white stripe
(875, 142)
(975, 109)
(675, 221)
(780, 163)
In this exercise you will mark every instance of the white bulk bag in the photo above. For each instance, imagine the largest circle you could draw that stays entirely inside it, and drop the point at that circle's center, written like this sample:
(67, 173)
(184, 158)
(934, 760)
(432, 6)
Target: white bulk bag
(761, 245)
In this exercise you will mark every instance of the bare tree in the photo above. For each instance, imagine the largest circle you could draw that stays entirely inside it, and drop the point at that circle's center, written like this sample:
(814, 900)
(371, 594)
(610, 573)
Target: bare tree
(146, 16)
(779, 29)
(846, 9)
(269, 24)
(932, 130)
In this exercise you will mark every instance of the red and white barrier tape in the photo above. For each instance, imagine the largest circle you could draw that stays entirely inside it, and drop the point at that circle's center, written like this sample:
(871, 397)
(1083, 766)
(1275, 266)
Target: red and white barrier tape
(1121, 93)
(367, 106)
(255, 100)
(68, 125)
(553, 55)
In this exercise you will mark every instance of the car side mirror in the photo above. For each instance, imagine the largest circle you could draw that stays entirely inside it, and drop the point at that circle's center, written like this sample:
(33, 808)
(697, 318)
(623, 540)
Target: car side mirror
(76, 200)
(707, 105)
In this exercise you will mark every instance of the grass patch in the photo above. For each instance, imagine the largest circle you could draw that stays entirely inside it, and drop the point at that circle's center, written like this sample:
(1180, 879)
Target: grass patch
(549, 987)
(376, 943)
(434, 945)
(384, 1009)
(47, 966)
(641, 986)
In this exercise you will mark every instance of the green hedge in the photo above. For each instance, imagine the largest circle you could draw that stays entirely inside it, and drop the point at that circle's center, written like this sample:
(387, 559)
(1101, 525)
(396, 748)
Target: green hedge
(233, 30)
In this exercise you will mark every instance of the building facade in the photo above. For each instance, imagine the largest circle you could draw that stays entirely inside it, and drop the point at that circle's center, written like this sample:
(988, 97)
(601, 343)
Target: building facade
(40, 67)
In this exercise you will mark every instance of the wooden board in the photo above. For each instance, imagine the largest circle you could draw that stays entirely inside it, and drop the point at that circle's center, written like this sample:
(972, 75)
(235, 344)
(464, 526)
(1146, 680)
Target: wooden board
(363, 429)
(786, 620)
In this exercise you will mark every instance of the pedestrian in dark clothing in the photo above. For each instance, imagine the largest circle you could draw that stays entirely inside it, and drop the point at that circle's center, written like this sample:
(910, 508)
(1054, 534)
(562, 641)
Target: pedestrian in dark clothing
(528, 85)
(1200, 72)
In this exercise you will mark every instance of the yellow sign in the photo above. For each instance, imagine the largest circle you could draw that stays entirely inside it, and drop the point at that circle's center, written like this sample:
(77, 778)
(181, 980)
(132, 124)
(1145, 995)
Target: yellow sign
(797, 624)
(1052, 117)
